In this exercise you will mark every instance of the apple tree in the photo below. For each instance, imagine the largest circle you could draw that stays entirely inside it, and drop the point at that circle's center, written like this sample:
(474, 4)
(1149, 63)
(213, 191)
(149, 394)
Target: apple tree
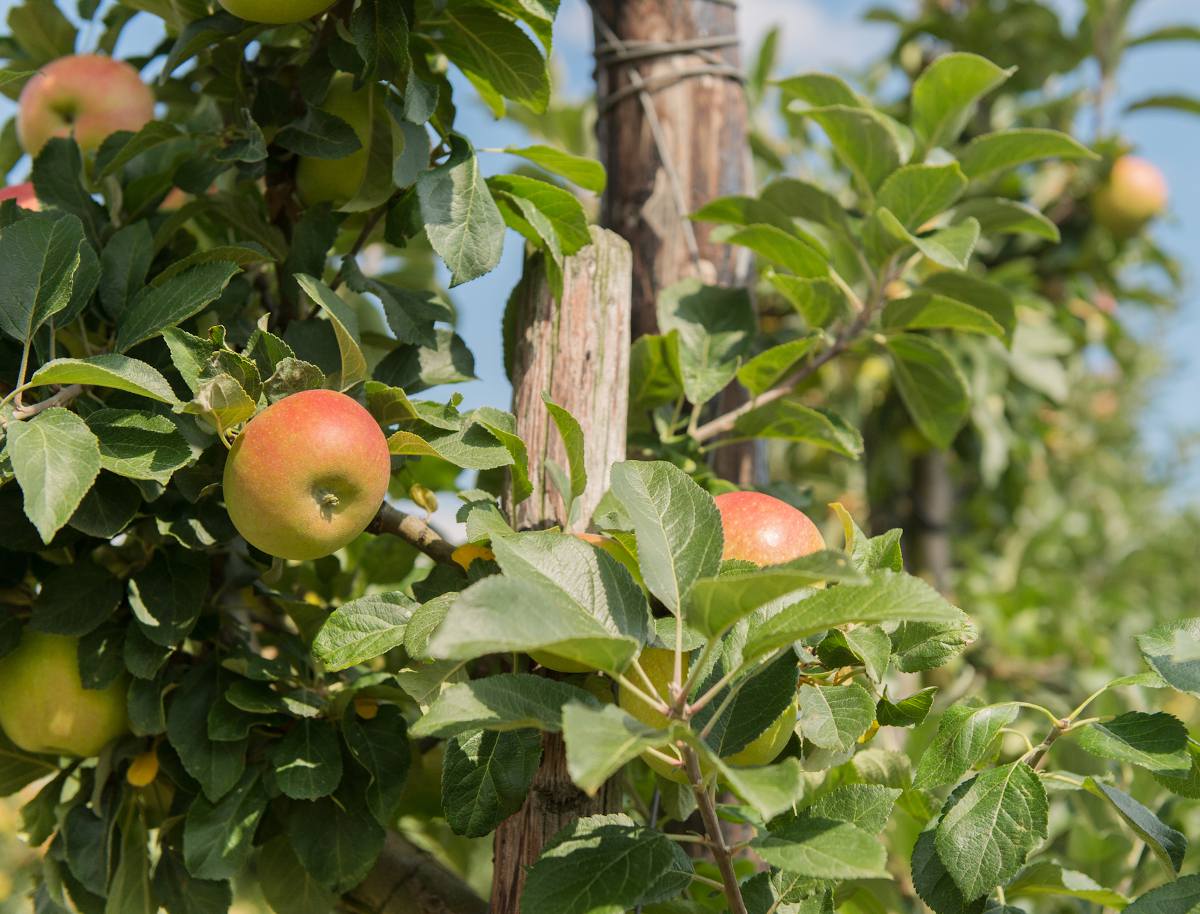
(230, 308)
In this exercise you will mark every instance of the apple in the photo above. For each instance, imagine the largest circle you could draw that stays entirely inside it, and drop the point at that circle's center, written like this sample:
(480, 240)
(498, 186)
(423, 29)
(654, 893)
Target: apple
(307, 475)
(45, 707)
(86, 95)
(336, 181)
(143, 769)
(24, 195)
(276, 12)
(1134, 193)
(659, 664)
(764, 530)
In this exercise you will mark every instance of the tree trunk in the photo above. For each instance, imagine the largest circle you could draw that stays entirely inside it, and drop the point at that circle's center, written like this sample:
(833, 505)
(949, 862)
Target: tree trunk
(672, 129)
(577, 351)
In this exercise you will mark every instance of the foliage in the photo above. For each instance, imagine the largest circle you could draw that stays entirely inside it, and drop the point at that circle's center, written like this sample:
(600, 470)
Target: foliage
(931, 262)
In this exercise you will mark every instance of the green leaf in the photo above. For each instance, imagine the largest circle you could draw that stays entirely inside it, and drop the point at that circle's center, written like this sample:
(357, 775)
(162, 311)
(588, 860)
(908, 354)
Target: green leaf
(933, 882)
(713, 326)
(889, 597)
(19, 768)
(1179, 897)
(503, 427)
(600, 740)
(917, 193)
(571, 433)
(55, 458)
(1186, 104)
(799, 199)
(75, 599)
(129, 892)
(1001, 216)
(167, 595)
(380, 31)
(715, 604)
(124, 264)
(949, 247)
(607, 864)
(944, 95)
(287, 886)
(818, 301)
(970, 289)
(461, 220)
(124, 146)
(770, 366)
(820, 89)
(380, 747)
(963, 736)
(341, 852)
(868, 806)
(769, 789)
(139, 445)
(834, 717)
(505, 701)
(587, 173)
(1006, 149)
(486, 777)
(558, 213)
(218, 838)
(867, 142)
(308, 760)
(919, 646)
(111, 370)
(823, 849)
(789, 249)
(790, 420)
(481, 621)
(218, 766)
(1051, 879)
(1183, 783)
(678, 527)
(1168, 845)
(865, 645)
(363, 629)
(907, 712)
(491, 48)
(414, 368)
(931, 385)
(345, 329)
(1182, 32)
(986, 836)
(1172, 650)
(1157, 742)
(927, 311)
(41, 255)
(157, 307)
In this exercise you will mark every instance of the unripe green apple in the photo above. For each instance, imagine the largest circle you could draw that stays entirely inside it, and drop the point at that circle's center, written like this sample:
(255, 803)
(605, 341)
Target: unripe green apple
(336, 181)
(764, 530)
(1134, 193)
(23, 194)
(659, 664)
(307, 475)
(276, 12)
(45, 707)
(86, 96)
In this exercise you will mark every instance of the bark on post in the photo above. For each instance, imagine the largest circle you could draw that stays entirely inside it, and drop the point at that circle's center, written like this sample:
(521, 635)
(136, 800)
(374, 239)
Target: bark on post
(577, 351)
(673, 135)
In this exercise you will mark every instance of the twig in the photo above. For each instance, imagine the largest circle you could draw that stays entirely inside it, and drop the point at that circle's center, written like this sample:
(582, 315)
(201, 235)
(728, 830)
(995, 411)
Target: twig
(62, 398)
(367, 229)
(720, 850)
(413, 530)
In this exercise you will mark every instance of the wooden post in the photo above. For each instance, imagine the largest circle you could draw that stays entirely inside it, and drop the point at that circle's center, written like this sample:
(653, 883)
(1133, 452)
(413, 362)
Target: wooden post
(577, 351)
(672, 128)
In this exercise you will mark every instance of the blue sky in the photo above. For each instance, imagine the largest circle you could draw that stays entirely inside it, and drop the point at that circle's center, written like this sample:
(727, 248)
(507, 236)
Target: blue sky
(829, 34)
